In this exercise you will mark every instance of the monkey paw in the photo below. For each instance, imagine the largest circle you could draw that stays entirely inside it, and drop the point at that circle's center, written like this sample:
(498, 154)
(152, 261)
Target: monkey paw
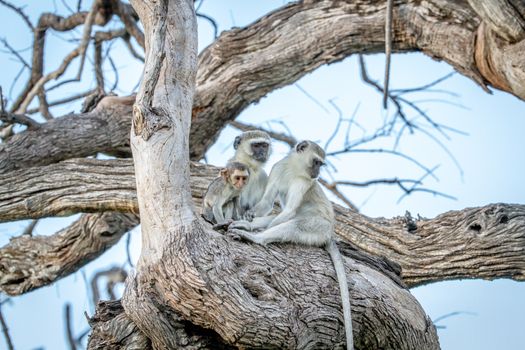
(222, 225)
(249, 215)
(237, 235)
(241, 224)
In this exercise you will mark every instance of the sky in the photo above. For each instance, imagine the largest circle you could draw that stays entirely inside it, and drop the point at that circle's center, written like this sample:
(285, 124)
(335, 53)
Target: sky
(480, 165)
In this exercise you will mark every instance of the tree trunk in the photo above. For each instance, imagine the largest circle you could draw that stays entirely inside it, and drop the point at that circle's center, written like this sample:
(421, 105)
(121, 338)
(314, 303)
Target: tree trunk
(248, 295)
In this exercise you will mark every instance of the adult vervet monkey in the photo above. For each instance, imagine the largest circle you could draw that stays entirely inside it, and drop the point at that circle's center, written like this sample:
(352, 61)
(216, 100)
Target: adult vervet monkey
(220, 203)
(307, 216)
(252, 148)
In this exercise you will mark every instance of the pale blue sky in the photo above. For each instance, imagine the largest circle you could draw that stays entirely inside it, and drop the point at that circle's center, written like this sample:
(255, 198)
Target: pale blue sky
(491, 159)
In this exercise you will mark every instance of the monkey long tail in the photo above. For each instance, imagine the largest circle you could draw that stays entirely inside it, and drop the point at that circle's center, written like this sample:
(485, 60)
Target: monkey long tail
(337, 260)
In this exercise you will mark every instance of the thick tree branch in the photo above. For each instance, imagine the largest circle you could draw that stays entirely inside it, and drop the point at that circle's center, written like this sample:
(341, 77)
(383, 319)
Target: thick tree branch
(27, 263)
(105, 128)
(226, 82)
(492, 237)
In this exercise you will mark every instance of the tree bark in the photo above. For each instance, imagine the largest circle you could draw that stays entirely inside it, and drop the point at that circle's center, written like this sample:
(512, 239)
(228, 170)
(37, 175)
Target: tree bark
(486, 242)
(234, 71)
(187, 271)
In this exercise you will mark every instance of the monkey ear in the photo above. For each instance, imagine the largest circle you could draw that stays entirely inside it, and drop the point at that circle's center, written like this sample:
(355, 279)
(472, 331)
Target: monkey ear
(301, 146)
(236, 142)
(224, 174)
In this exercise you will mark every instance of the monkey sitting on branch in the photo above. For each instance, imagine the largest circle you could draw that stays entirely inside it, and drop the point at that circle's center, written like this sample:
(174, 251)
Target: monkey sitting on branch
(221, 201)
(307, 216)
(252, 148)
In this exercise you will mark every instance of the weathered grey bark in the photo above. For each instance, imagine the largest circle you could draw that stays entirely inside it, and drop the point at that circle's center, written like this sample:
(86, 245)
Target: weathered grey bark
(486, 242)
(182, 261)
(187, 271)
(300, 37)
(29, 262)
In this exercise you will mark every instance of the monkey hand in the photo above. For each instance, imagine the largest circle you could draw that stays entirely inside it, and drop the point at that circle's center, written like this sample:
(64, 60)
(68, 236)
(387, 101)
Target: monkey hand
(241, 224)
(222, 225)
(249, 215)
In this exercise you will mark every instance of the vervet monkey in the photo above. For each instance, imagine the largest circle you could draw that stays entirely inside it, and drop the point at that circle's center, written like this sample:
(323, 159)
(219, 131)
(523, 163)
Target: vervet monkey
(307, 216)
(252, 148)
(221, 199)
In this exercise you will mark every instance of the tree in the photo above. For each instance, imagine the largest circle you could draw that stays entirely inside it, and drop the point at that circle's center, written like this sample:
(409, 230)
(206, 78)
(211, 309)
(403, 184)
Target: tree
(193, 287)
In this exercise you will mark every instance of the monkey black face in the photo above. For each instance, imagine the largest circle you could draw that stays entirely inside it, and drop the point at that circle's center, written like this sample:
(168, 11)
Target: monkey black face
(260, 151)
(315, 168)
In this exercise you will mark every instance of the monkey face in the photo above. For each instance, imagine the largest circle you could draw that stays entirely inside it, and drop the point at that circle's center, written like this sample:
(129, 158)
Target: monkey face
(260, 151)
(239, 179)
(315, 168)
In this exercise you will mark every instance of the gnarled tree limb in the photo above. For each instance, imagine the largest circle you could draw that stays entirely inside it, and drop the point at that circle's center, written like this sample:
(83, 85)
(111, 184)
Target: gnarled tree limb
(486, 242)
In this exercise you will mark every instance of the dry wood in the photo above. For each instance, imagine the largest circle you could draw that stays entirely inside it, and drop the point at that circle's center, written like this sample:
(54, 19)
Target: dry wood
(230, 75)
(486, 242)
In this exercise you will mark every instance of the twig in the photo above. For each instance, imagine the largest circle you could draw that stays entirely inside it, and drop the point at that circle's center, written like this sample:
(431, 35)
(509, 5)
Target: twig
(53, 75)
(366, 79)
(69, 327)
(114, 275)
(28, 231)
(11, 118)
(388, 48)
(14, 52)
(127, 14)
(131, 49)
(212, 22)
(128, 252)
(86, 35)
(386, 151)
(5, 330)
(423, 87)
(333, 188)
(289, 140)
(20, 11)
(64, 100)
(312, 98)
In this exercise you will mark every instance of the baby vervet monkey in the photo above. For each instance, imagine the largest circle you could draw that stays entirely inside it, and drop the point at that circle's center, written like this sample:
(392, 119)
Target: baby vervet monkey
(307, 216)
(252, 148)
(221, 199)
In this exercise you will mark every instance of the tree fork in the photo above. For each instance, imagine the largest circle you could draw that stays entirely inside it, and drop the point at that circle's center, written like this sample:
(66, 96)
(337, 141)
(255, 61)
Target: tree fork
(246, 294)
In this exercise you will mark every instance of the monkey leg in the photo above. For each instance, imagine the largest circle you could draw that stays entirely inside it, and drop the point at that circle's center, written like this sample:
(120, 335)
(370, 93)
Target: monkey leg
(311, 232)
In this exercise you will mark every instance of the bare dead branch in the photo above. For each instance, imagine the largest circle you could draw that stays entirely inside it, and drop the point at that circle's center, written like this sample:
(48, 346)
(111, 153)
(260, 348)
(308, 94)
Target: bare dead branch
(421, 88)
(128, 252)
(212, 22)
(129, 18)
(20, 11)
(366, 79)
(44, 79)
(131, 49)
(43, 106)
(289, 140)
(388, 48)
(28, 231)
(333, 188)
(69, 327)
(15, 53)
(11, 118)
(63, 100)
(88, 25)
(5, 330)
(114, 275)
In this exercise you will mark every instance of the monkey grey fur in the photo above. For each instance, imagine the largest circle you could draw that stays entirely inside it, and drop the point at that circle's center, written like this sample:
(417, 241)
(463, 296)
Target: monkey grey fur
(252, 148)
(221, 201)
(307, 215)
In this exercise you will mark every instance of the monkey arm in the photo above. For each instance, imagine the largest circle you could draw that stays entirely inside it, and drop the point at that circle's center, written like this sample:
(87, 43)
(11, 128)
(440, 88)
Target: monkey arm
(294, 198)
(217, 210)
(265, 205)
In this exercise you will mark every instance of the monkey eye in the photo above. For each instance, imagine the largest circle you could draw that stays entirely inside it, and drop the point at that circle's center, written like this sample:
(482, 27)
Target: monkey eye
(317, 162)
